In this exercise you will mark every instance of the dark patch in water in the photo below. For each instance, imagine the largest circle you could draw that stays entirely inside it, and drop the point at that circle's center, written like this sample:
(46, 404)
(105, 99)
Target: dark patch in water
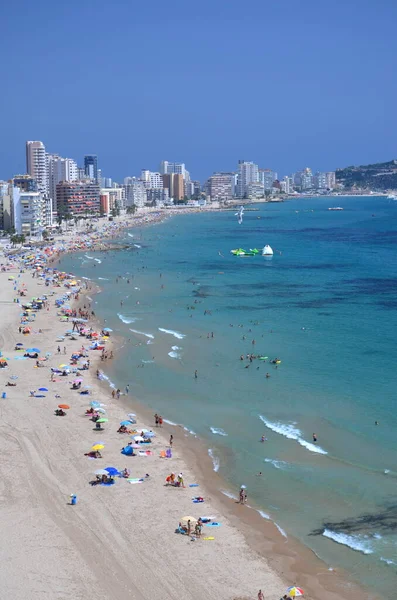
(325, 314)
(373, 285)
(318, 303)
(384, 520)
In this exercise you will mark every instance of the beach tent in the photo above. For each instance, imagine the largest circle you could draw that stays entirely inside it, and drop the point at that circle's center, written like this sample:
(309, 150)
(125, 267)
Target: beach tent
(127, 450)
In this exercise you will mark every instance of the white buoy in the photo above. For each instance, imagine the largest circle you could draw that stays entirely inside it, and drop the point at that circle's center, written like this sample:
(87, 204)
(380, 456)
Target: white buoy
(267, 251)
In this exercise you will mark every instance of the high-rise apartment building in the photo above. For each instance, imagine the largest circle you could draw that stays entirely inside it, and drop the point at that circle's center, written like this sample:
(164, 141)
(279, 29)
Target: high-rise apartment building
(152, 178)
(135, 192)
(220, 187)
(60, 169)
(247, 173)
(91, 166)
(26, 183)
(255, 190)
(266, 177)
(78, 198)
(32, 213)
(8, 195)
(157, 196)
(306, 177)
(174, 183)
(36, 164)
(197, 189)
(166, 168)
(331, 180)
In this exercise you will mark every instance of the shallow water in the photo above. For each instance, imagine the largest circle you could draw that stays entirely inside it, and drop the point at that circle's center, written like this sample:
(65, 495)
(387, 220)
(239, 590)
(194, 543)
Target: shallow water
(326, 305)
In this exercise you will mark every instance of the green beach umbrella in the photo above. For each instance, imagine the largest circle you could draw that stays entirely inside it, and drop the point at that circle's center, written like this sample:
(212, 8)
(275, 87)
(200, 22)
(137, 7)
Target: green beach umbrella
(102, 420)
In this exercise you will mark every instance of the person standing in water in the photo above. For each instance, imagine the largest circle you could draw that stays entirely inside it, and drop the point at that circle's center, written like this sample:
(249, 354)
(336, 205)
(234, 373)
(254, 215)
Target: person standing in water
(314, 438)
(196, 374)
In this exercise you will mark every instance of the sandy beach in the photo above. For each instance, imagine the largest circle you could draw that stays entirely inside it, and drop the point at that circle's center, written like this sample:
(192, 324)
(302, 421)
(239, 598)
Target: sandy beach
(118, 541)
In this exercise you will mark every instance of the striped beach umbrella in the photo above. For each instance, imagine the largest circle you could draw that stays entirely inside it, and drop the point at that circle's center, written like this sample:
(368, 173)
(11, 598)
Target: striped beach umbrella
(295, 591)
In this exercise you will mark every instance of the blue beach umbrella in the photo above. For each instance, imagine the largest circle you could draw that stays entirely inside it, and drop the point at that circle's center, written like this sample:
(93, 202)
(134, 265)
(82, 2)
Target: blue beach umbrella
(43, 389)
(112, 470)
(33, 350)
(94, 403)
(107, 329)
(125, 423)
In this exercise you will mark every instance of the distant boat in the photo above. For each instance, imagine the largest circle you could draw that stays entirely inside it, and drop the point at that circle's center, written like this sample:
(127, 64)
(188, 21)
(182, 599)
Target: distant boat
(267, 251)
(336, 208)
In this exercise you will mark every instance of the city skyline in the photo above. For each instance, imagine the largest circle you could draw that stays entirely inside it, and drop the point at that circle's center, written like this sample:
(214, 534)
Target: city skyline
(282, 84)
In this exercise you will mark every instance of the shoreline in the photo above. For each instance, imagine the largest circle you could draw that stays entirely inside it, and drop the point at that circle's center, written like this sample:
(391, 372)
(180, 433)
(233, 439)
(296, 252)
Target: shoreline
(288, 558)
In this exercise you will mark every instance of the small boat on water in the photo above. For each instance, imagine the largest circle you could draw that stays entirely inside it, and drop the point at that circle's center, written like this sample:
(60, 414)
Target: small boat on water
(267, 251)
(336, 208)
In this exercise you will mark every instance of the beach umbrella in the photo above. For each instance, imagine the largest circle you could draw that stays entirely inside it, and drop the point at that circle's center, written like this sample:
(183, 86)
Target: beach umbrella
(101, 410)
(139, 438)
(101, 472)
(43, 390)
(78, 380)
(33, 350)
(102, 420)
(192, 520)
(125, 423)
(63, 366)
(131, 415)
(295, 591)
(149, 434)
(112, 470)
(98, 447)
(19, 344)
(107, 329)
(65, 406)
(94, 403)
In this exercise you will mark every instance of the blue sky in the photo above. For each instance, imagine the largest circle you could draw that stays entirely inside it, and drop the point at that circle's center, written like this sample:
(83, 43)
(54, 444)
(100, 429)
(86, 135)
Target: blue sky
(286, 83)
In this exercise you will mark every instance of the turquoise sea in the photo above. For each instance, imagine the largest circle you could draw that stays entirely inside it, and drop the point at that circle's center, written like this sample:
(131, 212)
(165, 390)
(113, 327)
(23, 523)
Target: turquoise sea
(326, 305)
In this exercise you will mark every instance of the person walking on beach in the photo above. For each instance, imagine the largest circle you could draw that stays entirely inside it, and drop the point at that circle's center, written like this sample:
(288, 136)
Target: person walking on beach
(260, 595)
(64, 349)
(127, 388)
(171, 440)
(59, 349)
(160, 421)
(156, 419)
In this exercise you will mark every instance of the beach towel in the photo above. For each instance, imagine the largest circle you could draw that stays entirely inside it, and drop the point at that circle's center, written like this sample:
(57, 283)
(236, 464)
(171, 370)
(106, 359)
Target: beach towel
(163, 454)
(208, 538)
(213, 524)
(193, 484)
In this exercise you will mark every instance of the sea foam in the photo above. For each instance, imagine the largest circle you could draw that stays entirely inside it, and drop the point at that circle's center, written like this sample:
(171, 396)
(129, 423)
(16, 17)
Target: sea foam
(292, 433)
(127, 320)
(218, 431)
(229, 494)
(148, 335)
(354, 542)
(174, 352)
(176, 334)
(281, 530)
(215, 460)
(277, 464)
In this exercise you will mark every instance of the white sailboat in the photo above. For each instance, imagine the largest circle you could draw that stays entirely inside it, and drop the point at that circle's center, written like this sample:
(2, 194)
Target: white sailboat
(267, 251)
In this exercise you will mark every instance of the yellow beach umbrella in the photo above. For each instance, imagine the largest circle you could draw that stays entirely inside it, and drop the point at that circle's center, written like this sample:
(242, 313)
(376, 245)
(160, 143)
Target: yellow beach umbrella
(98, 447)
